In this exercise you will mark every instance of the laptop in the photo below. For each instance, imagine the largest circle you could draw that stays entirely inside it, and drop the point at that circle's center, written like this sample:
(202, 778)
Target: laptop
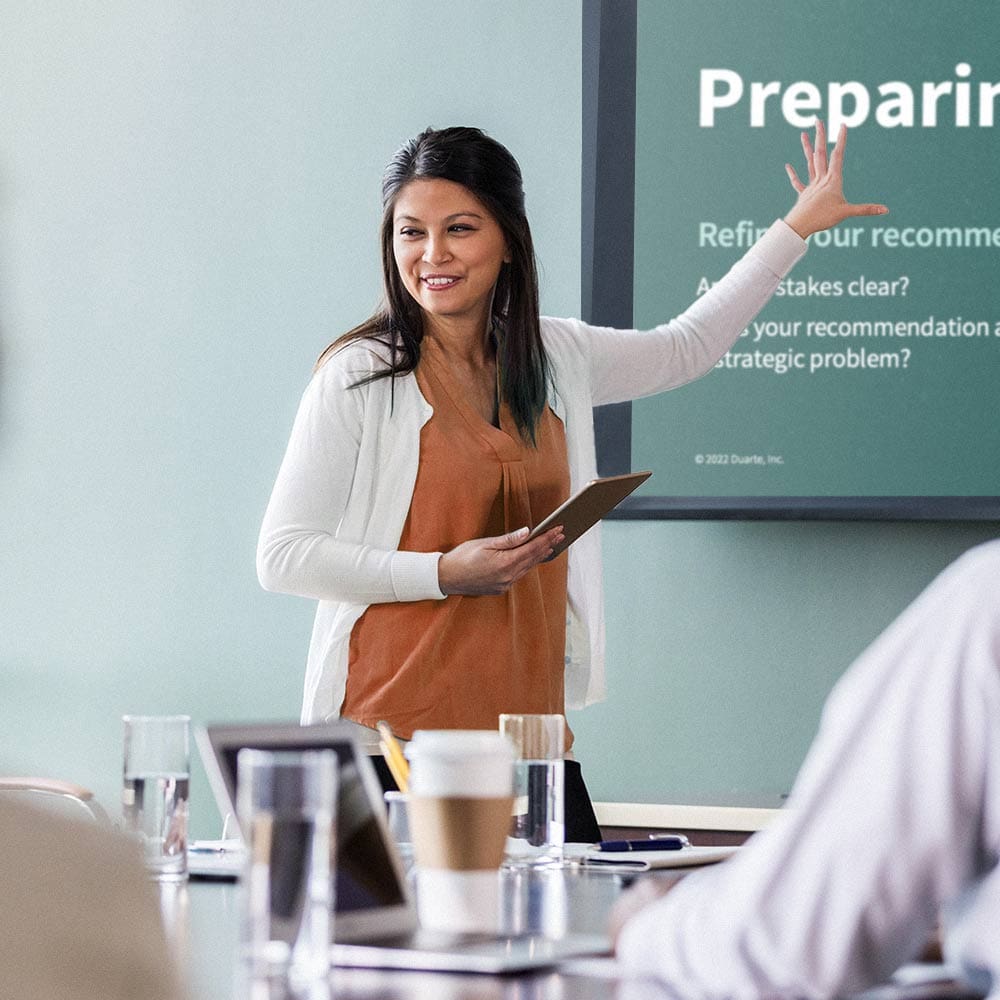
(375, 923)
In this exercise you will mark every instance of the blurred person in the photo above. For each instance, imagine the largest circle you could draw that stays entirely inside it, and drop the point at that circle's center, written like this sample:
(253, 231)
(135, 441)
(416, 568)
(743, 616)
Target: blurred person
(79, 917)
(894, 819)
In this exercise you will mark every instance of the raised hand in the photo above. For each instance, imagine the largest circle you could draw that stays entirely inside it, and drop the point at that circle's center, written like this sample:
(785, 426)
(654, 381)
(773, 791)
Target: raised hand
(821, 203)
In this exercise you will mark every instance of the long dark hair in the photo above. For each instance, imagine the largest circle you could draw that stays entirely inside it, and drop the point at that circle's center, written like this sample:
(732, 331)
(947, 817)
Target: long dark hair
(479, 163)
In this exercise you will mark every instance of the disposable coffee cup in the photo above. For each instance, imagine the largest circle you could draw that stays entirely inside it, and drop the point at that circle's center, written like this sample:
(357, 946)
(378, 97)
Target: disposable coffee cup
(461, 794)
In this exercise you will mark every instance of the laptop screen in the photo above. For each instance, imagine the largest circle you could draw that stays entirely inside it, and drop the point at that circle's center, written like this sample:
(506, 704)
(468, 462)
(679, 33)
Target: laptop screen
(368, 877)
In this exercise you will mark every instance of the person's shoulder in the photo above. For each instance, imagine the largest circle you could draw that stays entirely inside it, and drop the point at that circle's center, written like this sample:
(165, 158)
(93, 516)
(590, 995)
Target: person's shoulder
(561, 332)
(29, 832)
(570, 342)
(361, 354)
(971, 583)
(351, 364)
(555, 325)
(60, 872)
(981, 560)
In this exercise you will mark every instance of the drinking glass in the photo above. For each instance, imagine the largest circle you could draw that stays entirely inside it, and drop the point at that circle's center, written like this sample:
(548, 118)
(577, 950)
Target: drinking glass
(538, 829)
(286, 802)
(398, 820)
(156, 775)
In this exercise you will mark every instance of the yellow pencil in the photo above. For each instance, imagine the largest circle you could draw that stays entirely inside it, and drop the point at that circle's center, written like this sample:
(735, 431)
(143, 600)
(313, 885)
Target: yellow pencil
(399, 767)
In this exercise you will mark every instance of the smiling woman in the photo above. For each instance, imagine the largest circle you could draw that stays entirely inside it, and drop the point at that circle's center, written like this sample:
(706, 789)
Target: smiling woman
(475, 174)
(446, 240)
(449, 251)
(436, 433)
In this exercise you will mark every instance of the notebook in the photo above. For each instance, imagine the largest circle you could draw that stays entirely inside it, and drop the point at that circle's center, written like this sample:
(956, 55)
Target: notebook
(687, 857)
(375, 924)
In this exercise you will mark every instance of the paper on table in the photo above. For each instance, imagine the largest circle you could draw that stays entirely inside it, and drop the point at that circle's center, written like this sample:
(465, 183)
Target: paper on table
(687, 857)
(215, 858)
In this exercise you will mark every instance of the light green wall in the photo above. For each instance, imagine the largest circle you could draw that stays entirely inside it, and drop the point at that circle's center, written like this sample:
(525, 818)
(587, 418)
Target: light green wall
(188, 207)
(724, 638)
(189, 199)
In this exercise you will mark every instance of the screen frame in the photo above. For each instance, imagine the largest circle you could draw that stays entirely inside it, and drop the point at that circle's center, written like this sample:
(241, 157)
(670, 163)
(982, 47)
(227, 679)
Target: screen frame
(607, 287)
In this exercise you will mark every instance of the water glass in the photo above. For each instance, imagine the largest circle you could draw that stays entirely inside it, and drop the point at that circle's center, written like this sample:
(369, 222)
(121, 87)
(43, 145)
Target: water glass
(156, 776)
(286, 803)
(538, 828)
(398, 821)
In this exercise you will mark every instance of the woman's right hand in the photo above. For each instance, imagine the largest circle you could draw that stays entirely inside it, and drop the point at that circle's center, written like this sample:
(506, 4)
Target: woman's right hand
(491, 565)
(821, 203)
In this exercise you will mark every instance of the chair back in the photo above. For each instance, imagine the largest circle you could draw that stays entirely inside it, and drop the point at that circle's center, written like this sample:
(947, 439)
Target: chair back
(52, 793)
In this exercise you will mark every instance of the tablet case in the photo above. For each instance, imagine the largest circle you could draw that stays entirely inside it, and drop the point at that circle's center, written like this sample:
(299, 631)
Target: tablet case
(588, 505)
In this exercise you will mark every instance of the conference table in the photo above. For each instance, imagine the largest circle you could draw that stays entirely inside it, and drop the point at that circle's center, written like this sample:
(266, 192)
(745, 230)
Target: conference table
(202, 918)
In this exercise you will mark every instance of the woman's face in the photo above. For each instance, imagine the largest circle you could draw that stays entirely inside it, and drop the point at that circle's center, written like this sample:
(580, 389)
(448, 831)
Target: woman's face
(448, 248)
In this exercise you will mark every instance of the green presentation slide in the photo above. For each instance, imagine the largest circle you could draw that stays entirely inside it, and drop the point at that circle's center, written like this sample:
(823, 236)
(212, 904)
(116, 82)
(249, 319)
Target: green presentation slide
(873, 371)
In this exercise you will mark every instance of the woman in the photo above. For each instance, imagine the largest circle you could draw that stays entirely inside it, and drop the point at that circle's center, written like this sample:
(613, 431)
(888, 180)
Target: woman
(436, 433)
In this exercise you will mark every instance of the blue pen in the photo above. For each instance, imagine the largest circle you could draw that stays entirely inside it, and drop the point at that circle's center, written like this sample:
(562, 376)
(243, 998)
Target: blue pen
(671, 843)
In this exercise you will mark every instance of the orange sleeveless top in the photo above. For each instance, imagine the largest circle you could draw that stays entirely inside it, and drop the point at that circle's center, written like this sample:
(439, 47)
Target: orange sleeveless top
(460, 662)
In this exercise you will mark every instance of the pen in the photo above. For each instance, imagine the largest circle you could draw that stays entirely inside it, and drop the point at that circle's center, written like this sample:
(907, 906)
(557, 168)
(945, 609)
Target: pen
(671, 843)
(399, 768)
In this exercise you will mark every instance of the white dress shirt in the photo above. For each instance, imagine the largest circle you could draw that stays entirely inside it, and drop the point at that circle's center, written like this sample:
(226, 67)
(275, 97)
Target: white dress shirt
(894, 815)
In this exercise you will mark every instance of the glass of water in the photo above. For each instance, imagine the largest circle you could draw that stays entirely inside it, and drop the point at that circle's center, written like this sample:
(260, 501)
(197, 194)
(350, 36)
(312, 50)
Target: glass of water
(286, 802)
(538, 827)
(397, 806)
(155, 790)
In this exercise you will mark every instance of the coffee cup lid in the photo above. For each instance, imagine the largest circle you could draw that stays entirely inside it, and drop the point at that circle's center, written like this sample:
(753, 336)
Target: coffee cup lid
(459, 743)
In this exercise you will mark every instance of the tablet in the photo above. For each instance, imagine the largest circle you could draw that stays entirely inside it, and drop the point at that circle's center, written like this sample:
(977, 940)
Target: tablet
(588, 505)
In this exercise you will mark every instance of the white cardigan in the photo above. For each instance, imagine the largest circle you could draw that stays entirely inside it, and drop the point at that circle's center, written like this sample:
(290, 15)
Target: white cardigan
(343, 491)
